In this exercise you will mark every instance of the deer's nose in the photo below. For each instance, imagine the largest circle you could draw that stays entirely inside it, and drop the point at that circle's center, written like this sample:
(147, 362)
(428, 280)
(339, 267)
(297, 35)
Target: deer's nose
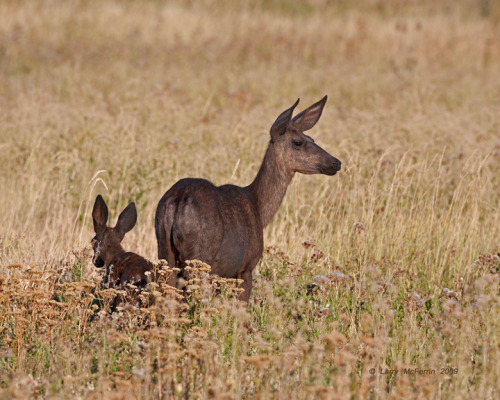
(330, 168)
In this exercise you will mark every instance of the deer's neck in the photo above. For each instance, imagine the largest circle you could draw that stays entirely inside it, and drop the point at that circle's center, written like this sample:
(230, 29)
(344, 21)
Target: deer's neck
(270, 184)
(113, 255)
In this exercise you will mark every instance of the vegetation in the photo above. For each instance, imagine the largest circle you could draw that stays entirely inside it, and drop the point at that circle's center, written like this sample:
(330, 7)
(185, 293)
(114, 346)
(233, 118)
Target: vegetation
(391, 265)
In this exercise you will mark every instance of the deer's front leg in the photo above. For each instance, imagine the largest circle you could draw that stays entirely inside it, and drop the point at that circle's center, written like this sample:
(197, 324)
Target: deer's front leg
(246, 285)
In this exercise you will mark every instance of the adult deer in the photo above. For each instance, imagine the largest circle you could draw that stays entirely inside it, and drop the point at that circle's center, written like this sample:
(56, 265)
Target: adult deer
(223, 226)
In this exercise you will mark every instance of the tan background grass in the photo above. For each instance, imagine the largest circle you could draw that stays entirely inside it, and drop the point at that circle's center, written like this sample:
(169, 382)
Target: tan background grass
(125, 98)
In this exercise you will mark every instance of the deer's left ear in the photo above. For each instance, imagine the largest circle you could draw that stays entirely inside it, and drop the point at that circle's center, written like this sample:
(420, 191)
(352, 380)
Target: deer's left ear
(308, 118)
(126, 220)
(281, 123)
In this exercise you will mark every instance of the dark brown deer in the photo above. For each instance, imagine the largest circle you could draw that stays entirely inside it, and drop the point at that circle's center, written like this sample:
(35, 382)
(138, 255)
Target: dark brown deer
(121, 267)
(223, 226)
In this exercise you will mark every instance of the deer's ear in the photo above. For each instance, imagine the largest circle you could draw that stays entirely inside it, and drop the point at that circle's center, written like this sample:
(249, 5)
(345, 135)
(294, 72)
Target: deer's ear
(308, 118)
(126, 220)
(281, 123)
(99, 214)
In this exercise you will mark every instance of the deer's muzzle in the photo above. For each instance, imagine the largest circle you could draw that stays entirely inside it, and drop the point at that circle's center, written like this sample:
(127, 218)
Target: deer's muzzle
(332, 168)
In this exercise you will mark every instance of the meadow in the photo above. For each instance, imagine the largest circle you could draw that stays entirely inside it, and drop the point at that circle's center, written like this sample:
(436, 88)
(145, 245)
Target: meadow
(382, 281)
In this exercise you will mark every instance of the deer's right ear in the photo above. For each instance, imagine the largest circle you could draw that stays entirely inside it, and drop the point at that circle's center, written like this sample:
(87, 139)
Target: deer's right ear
(99, 214)
(281, 123)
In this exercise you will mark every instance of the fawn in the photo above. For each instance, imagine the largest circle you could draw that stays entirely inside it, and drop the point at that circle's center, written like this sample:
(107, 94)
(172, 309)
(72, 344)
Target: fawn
(122, 267)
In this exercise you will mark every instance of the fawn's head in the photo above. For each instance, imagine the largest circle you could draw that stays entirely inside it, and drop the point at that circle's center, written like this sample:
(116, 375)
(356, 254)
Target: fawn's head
(297, 151)
(106, 242)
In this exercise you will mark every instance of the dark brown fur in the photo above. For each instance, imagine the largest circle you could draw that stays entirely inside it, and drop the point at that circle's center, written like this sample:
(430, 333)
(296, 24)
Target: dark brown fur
(223, 226)
(121, 267)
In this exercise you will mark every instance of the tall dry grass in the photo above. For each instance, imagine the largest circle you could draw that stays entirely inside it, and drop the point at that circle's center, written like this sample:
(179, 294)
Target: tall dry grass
(391, 264)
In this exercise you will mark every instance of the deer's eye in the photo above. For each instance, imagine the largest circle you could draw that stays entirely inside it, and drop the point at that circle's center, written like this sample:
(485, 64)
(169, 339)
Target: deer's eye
(298, 143)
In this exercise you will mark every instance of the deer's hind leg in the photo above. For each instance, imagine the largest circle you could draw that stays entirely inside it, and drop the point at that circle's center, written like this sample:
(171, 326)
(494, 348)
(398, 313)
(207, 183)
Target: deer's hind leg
(247, 284)
(166, 248)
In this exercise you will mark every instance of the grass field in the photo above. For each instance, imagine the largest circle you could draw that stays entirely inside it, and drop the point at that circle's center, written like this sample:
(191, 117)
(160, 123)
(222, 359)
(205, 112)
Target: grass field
(124, 98)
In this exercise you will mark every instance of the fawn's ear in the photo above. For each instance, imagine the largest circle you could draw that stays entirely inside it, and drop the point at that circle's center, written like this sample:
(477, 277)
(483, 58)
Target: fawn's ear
(308, 118)
(99, 214)
(126, 220)
(281, 123)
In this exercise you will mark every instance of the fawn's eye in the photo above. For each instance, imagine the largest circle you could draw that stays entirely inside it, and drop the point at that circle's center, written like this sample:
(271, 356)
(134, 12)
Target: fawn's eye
(298, 143)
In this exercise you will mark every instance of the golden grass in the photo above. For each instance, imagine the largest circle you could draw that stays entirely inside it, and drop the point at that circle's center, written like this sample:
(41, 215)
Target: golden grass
(124, 98)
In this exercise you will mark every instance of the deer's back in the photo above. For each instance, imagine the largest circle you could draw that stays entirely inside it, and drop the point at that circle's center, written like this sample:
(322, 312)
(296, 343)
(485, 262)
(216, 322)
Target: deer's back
(131, 268)
(218, 225)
